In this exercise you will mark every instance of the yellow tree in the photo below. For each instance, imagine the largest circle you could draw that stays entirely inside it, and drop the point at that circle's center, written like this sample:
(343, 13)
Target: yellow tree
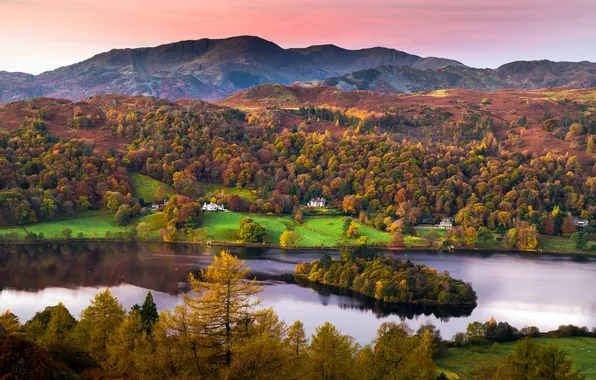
(98, 322)
(332, 354)
(124, 343)
(222, 310)
(398, 354)
(10, 322)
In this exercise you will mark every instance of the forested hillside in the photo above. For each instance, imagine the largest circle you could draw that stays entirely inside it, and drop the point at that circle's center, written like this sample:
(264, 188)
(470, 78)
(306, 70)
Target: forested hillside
(390, 169)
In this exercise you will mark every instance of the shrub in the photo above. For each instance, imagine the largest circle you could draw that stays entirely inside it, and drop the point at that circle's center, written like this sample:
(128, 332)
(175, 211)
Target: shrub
(67, 233)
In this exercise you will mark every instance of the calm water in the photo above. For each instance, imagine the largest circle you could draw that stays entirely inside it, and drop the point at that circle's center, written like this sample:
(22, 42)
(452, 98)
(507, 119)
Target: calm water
(544, 291)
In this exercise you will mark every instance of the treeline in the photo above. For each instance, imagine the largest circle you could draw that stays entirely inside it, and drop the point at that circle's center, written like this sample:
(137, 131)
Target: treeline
(387, 279)
(220, 331)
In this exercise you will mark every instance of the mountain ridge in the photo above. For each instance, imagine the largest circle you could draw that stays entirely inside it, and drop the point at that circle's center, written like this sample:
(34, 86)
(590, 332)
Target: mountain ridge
(212, 69)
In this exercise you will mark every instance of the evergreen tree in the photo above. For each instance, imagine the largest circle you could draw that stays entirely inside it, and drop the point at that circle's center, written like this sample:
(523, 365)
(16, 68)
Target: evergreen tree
(148, 313)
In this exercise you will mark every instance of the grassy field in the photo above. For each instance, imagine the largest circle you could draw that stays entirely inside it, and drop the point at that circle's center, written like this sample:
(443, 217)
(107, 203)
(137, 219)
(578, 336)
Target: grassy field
(98, 221)
(474, 362)
(559, 244)
(207, 188)
(144, 187)
(315, 232)
(426, 231)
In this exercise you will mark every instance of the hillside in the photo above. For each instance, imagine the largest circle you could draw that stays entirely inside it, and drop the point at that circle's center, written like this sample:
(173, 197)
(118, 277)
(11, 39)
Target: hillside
(439, 114)
(522, 75)
(200, 69)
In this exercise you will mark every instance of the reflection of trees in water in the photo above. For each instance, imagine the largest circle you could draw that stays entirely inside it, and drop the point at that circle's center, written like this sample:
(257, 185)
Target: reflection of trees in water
(382, 310)
(38, 266)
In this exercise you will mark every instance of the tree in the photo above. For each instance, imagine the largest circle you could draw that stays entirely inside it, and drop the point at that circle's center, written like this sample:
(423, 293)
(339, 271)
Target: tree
(591, 146)
(123, 215)
(296, 339)
(186, 184)
(351, 204)
(531, 361)
(353, 231)
(252, 232)
(470, 236)
(485, 235)
(67, 233)
(580, 240)
(347, 222)
(568, 227)
(183, 212)
(527, 236)
(299, 217)
(10, 322)
(224, 305)
(161, 193)
(120, 350)
(550, 227)
(113, 200)
(52, 326)
(263, 353)
(397, 354)
(148, 313)
(98, 322)
(290, 239)
(144, 230)
(332, 354)
(575, 130)
(554, 364)
(397, 240)
(297, 344)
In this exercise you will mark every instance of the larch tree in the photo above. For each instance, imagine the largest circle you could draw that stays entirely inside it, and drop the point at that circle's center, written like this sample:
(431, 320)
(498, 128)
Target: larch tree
(98, 322)
(123, 343)
(224, 306)
(554, 364)
(332, 354)
(10, 322)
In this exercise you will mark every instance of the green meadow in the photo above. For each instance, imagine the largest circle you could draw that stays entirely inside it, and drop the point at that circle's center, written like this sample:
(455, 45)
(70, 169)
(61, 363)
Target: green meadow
(320, 231)
(478, 361)
(144, 187)
(208, 188)
(98, 222)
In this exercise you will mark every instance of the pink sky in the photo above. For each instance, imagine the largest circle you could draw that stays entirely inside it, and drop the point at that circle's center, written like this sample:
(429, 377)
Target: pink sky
(39, 35)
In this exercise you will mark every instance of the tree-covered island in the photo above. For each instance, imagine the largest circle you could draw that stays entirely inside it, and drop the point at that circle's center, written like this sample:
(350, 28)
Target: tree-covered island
(387, 279)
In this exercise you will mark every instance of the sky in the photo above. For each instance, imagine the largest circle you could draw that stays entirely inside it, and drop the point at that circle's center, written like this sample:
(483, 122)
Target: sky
(41, 35)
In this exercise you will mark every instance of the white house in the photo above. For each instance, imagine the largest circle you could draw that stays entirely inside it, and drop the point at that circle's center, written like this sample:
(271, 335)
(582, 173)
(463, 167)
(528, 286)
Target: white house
(317, 202)
(158, 206)
(212, 207)
(581, 222)
(446, 223)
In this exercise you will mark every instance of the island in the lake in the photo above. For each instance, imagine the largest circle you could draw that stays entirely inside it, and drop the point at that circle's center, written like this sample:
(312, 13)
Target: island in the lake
(387, 279)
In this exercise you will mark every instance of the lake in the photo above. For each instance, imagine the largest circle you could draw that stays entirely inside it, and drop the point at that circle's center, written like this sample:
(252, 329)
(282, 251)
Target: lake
(540, 290)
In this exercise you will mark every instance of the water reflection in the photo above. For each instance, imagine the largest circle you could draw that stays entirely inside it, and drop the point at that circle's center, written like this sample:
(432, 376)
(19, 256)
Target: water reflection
(545, 291)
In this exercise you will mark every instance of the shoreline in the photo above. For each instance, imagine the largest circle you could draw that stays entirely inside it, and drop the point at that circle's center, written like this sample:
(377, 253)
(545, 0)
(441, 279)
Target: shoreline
(224, 244)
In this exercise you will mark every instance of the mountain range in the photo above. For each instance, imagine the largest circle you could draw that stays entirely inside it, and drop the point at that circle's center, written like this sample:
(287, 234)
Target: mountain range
(521, 75)
(211, 69)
